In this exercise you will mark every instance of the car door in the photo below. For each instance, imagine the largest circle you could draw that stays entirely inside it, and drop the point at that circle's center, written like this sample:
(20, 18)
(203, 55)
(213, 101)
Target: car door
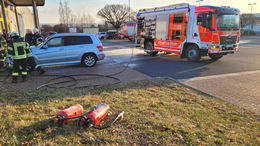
(52, 52)
(76, 46)
(72, 48)
(204, 22)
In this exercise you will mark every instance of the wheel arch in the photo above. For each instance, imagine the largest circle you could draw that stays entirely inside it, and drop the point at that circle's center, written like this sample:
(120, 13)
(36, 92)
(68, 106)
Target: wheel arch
(88, 53)
(185, 47)
(148, 40)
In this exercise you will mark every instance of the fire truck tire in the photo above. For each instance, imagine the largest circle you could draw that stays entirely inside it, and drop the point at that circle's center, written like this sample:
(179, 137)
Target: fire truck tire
(215, 56)
(148, 45)
(193, 53)
(149, 48)
(152, 53)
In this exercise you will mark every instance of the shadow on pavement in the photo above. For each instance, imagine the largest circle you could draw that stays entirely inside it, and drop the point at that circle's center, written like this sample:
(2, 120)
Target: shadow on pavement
(171, 66)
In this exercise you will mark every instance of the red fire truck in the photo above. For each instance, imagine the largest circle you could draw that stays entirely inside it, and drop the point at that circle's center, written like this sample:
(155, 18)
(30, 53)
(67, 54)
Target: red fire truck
(128, 30)
(191, 31)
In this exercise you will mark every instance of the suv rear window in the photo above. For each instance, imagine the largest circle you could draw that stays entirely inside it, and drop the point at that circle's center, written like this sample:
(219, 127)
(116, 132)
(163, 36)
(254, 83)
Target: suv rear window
(77, 40)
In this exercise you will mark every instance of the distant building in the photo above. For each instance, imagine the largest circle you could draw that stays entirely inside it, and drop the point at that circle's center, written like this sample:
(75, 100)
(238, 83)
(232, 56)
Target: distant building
(256, 27)
(93, 30)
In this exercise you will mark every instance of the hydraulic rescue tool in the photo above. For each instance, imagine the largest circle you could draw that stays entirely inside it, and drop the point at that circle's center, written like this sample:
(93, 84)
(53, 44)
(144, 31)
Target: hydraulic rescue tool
(89, 119)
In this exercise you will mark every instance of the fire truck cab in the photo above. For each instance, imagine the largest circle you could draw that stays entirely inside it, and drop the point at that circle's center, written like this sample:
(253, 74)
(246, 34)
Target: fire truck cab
(191, 31)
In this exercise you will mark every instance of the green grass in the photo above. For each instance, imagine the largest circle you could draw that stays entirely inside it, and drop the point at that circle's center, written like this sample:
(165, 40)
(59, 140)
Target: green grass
(156, 112)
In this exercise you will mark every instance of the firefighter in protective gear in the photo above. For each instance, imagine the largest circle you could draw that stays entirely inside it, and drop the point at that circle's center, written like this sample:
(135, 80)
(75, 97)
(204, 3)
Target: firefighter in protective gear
(29, 37)
(32, 63)
(37, 38)
(3, 49)
(18, 49)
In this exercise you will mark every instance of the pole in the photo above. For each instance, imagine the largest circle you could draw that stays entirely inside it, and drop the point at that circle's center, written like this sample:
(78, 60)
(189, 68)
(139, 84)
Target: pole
(4, 16)
(129, 10)
(35, 14)
(17, 20)
(252, 4)
(252, 17)
(199, 1)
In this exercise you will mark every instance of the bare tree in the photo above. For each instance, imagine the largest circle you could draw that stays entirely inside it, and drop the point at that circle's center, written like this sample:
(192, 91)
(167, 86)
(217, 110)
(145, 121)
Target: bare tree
(114, 14)
(64, 12)
(47, 28)
(60, 28)
(61, 13)
(68, 18)
(67, 12)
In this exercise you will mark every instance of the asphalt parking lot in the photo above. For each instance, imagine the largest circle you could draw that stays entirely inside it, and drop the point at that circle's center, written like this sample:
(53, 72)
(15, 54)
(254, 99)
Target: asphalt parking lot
(235, 78)
(105, 72)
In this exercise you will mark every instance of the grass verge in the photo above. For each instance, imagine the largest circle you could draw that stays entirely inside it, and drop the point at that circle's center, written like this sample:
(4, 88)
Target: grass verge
(156, 112)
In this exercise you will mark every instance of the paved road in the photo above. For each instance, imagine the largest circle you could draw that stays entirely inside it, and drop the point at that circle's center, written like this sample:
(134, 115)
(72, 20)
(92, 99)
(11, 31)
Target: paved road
(247, 59)
(235, 78)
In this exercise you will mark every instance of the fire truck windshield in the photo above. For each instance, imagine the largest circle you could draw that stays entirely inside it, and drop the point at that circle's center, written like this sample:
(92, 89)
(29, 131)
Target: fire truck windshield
(228, 22)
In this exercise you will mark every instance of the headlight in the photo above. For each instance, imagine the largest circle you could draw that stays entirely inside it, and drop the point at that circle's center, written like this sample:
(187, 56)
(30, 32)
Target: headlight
(215, 47)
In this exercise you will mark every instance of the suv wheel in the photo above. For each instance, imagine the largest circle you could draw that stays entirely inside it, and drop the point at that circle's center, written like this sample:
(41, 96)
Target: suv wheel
(89, 60)
(193, 53)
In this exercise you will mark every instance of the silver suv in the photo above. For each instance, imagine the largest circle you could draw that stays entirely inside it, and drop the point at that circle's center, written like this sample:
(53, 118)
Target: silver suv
(67, 48)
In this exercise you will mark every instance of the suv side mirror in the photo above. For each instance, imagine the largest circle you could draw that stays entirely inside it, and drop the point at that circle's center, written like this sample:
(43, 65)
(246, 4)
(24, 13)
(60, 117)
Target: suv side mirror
(44, 47)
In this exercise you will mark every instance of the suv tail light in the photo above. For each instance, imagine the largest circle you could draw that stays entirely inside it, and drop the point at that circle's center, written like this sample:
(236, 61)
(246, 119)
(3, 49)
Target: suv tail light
(100, 48)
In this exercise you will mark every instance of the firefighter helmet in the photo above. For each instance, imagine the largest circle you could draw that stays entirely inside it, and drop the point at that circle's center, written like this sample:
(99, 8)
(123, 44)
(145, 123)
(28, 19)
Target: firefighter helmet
(35, 30)
(14, 34)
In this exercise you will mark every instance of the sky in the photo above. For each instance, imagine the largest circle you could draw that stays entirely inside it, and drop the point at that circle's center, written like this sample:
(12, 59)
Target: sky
(48, 14)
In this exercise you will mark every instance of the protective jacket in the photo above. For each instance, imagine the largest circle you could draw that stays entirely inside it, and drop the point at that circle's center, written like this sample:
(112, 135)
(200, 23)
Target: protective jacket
(3, 49)
(37, 39)
(18, 49)
(29, 38)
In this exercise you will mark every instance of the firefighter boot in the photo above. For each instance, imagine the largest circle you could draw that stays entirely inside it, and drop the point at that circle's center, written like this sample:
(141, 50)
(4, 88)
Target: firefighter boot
(40, 70)
(15, 79)
(24, 78)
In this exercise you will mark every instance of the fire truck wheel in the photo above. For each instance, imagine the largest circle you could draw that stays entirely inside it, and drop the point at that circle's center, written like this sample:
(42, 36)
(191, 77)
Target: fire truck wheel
(215, 56)
(152, 53)
(149, 46)
(193, 53)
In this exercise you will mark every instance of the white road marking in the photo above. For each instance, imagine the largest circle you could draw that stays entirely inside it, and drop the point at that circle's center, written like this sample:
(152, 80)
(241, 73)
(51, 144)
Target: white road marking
(217, 76)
